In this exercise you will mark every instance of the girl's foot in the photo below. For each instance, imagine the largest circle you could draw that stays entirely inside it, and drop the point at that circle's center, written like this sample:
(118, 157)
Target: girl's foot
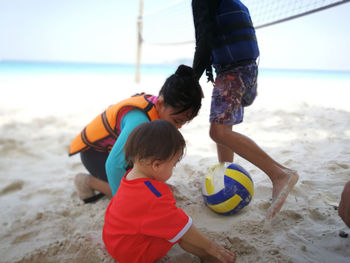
(81, 182)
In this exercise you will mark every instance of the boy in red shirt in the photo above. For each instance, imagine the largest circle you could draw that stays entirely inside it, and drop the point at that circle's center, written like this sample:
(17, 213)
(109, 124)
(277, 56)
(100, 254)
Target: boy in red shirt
(142, 221)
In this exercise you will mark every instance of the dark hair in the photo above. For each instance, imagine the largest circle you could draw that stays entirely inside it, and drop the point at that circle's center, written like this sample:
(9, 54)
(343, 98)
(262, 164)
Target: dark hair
(155, 140)
(182, 91)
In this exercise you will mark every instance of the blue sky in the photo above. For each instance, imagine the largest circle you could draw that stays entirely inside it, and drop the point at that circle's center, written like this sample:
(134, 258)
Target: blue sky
(105, 31)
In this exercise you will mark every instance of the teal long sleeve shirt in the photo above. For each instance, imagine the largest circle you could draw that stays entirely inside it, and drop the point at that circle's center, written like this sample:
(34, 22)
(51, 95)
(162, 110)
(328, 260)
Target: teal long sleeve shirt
(116, 163)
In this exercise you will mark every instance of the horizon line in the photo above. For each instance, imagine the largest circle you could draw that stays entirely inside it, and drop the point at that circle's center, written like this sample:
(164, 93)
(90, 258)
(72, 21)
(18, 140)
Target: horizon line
(174, 63)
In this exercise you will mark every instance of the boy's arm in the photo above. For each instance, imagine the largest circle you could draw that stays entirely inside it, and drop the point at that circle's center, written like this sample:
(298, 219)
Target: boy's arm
(195, 242)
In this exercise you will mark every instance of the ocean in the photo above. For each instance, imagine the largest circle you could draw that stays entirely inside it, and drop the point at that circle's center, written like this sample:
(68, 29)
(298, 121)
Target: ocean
(40, 84)
(17, 67)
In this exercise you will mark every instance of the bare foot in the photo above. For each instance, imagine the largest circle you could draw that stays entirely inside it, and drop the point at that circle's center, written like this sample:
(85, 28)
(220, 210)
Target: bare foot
(81, 182)
(281, 189)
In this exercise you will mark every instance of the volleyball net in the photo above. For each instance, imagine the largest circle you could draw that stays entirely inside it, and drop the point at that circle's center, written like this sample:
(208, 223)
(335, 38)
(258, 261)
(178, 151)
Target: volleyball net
(175, 17)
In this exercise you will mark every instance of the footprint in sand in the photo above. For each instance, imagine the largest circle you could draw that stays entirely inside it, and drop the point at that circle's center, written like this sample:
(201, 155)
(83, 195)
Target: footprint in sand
(14, 186)
(317, 214)
(240, 246)
(24, 237)
(343, 165)
(291, 214)
(335, 166)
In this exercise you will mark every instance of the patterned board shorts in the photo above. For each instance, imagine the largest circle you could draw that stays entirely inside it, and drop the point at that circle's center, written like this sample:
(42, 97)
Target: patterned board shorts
(234, 89)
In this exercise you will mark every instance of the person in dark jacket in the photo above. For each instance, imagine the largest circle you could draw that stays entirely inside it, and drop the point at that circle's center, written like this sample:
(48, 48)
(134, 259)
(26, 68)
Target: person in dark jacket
(226, 40)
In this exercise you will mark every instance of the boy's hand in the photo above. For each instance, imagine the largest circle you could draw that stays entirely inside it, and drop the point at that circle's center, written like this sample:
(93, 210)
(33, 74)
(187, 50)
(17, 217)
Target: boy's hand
(221, 254)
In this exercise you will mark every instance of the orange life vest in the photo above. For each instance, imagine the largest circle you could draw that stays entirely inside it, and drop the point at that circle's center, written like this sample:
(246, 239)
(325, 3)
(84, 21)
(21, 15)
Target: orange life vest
(107, 124)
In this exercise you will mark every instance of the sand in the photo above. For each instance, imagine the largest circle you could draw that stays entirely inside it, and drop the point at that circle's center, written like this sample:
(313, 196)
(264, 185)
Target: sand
(300, 123)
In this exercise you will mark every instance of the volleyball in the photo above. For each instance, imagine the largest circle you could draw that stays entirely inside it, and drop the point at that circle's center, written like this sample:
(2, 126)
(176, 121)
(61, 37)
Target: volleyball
(227, 188)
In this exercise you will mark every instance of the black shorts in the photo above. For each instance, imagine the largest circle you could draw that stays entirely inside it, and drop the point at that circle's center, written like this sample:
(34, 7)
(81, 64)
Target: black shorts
(94, 161)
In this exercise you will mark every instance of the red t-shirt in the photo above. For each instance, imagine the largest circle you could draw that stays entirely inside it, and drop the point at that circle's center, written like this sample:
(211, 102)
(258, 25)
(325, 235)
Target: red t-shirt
(142, 221)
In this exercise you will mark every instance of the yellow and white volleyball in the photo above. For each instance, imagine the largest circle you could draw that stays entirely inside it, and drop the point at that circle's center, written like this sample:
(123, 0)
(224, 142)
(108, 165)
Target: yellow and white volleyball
(227, 188)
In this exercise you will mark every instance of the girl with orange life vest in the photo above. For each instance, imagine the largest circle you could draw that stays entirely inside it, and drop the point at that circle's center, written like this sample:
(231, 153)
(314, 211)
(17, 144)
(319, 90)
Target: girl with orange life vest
(101, 142)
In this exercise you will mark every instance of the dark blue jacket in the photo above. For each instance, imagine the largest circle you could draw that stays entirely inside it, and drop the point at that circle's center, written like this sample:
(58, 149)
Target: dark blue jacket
(234, 35)
(224, 34)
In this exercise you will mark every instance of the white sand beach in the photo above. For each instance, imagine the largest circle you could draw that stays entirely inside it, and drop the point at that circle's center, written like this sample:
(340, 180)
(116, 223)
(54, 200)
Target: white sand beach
(302, 123)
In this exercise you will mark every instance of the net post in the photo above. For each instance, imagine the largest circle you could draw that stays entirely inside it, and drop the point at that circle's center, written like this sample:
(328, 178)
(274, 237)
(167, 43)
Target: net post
(139, 42)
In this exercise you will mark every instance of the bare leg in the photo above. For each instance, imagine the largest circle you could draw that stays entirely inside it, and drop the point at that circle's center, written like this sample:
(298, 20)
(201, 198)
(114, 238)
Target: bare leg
(86, 184)
(100, 186)
(224, 154)
(344, 205)
(283, 179)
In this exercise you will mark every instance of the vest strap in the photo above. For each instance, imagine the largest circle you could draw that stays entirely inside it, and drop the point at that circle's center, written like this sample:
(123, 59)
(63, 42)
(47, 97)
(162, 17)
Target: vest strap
(88, 143)
(236, 26)
(238, 38)
(107, 126)
(148, 107)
